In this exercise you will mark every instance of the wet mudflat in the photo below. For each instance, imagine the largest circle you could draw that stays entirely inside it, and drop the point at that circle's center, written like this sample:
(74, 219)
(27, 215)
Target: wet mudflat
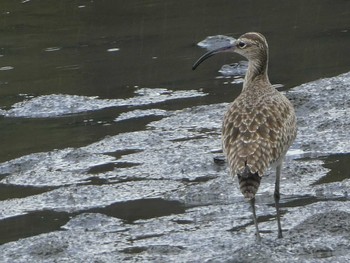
(105, 162)
(157, 195)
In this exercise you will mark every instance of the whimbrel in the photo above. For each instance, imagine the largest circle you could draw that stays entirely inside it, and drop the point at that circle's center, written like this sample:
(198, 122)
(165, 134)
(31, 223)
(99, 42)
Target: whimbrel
(259, 125)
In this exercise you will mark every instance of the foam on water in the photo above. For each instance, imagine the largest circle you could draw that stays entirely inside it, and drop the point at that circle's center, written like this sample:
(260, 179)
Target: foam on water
(55, 105)
(214, 42)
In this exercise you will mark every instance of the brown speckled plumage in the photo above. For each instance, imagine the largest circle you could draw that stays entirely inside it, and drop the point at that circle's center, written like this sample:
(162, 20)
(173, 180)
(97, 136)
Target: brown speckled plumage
(258, 128)
(259, 125)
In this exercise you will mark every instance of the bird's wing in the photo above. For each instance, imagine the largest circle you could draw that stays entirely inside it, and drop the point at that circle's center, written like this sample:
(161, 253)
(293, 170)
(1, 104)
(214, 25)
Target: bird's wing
(258, 134)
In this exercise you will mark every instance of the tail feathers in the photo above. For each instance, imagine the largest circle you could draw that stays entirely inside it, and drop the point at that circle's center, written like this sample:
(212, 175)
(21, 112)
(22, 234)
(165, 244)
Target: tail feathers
(249, 183)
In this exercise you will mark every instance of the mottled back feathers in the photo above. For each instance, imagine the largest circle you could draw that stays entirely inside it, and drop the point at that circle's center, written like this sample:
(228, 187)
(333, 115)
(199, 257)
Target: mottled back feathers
(259, 126)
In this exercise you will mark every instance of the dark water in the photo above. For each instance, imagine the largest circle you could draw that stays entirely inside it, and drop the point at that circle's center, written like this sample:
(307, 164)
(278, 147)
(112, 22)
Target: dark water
(110, 48)
(57, 47)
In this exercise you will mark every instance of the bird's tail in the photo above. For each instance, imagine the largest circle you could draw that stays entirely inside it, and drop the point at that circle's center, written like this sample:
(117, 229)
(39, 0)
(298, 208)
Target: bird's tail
(249, 183)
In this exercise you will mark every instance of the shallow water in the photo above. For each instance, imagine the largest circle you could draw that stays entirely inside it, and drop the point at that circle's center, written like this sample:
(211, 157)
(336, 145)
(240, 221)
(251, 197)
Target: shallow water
(108, 135)
(64, 47)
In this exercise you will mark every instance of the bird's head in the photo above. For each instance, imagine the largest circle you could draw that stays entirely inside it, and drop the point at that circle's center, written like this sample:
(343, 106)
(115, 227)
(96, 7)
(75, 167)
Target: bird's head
(252, 46)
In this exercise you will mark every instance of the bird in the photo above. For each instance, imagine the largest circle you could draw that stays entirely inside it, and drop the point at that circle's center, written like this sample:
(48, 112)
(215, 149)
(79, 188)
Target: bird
(259, 126)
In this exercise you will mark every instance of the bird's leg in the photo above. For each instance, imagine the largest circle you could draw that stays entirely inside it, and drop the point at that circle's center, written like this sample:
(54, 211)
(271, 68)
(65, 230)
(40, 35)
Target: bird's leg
(277, 199)
(252, 203)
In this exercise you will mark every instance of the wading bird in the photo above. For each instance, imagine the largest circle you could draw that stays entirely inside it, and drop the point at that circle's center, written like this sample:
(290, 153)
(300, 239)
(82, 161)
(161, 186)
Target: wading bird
(259, 125)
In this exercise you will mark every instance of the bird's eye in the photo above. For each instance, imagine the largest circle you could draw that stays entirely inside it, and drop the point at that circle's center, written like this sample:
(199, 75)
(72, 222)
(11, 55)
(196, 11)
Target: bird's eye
(241, 44)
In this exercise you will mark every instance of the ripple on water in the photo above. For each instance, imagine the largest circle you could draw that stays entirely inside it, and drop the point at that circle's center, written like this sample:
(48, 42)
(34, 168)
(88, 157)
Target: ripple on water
(52, 49)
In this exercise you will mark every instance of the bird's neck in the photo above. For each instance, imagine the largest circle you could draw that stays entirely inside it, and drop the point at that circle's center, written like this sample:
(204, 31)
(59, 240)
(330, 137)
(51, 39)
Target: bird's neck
(257, 71)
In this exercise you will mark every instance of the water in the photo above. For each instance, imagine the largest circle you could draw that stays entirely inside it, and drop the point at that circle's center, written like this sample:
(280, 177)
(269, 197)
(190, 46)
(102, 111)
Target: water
(63, 47)
(99, 103)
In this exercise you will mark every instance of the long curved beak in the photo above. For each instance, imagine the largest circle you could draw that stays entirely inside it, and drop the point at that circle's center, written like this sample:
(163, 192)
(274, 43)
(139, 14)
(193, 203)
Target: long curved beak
(229, 48)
